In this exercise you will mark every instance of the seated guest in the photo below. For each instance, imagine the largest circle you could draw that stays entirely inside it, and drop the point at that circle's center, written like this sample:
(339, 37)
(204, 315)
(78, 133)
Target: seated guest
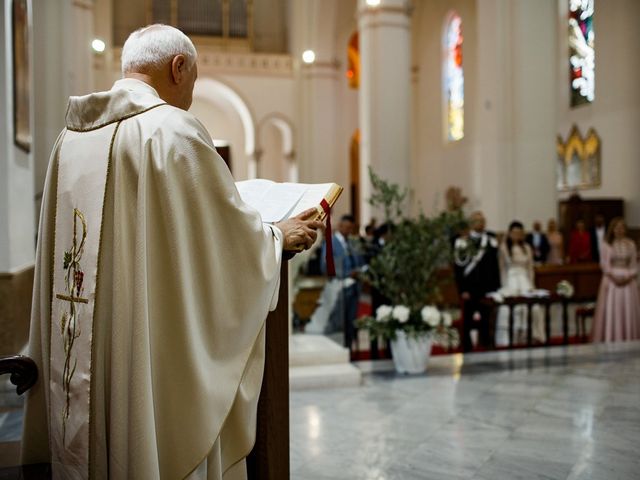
(476, 272)
(517, 277)
(580, 244)
(618, 310)
(556, 244)
(539, 243)
(598, 233)
(348, 261)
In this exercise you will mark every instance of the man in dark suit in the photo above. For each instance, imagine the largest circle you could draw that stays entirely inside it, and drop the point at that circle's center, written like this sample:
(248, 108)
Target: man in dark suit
(348, 261)
(477, 273)
(598, 234)
(539, 243)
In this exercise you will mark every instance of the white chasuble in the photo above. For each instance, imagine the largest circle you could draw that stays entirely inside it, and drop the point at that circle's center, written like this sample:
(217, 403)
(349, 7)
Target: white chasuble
(153, 281)
(82, 178)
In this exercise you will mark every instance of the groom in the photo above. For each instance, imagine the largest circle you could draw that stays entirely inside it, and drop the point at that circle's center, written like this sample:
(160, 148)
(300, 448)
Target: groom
(477, 273)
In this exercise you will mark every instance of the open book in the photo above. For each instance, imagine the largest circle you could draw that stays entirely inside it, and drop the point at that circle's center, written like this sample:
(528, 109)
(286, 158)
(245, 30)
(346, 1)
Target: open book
(279, 201)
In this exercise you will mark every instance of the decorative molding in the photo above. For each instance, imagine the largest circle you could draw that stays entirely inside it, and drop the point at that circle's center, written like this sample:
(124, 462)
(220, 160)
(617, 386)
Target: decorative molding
(84, 4)
(407, 11)
(243, 63)
(216, 62)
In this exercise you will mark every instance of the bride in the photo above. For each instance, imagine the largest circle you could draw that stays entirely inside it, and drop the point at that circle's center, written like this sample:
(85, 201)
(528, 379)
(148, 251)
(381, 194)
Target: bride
(516, 274)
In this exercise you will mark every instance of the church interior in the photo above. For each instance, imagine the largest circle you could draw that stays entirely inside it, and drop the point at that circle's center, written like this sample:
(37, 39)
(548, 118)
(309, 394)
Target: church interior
(513, 118)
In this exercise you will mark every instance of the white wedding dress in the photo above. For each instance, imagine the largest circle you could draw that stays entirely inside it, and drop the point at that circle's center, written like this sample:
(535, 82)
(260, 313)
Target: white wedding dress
(516, 273)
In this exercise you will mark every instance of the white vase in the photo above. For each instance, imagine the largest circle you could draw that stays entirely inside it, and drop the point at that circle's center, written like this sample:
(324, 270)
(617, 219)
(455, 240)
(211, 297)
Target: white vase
(411, 354)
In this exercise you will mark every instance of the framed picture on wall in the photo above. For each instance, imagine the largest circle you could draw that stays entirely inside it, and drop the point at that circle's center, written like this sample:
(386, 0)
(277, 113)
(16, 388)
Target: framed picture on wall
(21, 75)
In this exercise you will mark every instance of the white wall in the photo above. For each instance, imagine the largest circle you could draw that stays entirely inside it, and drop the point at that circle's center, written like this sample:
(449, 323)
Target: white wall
(438, 163)
(514, 171)
(17, 231)
(272, 163)
(615, 112)
(63, 62)
(223, 123)
(326, 110)
(505, 163)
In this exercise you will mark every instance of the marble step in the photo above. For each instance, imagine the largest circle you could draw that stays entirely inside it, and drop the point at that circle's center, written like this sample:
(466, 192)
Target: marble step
(324, 376)
(308, 350)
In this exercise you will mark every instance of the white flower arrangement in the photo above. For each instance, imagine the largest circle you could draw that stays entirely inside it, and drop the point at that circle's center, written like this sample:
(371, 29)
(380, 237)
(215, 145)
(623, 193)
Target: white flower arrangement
(401, 313)
(383, 313)
(427, 321)
(565, 289)
(430, 315)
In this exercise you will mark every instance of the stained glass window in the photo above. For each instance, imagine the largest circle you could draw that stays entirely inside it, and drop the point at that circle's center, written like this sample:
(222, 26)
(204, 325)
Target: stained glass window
(454, 78)
(581, 51)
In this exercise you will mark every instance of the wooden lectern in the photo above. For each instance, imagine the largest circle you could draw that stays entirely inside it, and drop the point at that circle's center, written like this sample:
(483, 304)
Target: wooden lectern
(270, 456)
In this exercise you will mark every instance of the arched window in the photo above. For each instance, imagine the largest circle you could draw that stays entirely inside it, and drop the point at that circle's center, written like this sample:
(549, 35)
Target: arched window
(453, 81)
(581, 51)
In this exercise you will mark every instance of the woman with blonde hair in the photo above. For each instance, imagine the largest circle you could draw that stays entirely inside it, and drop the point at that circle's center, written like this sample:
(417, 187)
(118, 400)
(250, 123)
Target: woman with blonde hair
(618, 311)
(556, 243)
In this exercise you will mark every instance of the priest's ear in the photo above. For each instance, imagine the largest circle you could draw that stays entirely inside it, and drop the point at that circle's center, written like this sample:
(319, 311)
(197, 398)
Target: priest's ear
(178, 69)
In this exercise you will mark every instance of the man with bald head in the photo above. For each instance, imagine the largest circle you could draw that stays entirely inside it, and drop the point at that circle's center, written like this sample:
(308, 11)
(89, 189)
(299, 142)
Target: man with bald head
(477, 273)
(153, 282)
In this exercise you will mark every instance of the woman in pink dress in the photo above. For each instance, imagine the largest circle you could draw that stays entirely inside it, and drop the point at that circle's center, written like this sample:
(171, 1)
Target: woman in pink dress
(618, 311)
(556, 242)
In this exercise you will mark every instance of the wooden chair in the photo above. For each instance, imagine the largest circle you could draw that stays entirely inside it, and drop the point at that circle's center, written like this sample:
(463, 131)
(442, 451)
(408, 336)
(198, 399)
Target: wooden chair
(23, 374)
(23, 371)
(582, 313)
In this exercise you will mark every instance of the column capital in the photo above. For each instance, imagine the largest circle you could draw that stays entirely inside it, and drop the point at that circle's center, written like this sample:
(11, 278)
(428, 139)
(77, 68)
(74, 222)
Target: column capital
(386, 8)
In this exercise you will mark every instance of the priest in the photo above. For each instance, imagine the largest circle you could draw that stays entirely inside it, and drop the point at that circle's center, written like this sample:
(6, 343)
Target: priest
(153, 282)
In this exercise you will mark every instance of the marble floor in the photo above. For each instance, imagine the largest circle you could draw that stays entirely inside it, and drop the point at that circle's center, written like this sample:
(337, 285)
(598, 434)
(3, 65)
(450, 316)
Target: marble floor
(548, 413)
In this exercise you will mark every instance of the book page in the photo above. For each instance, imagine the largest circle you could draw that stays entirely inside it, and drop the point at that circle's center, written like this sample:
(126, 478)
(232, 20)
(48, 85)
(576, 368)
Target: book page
(254, 191)
(280, 200)
(313, 195)
(272, 200)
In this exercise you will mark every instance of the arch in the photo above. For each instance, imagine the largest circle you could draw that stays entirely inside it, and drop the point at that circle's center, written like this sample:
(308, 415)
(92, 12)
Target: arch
(284, 126)
(218, 92)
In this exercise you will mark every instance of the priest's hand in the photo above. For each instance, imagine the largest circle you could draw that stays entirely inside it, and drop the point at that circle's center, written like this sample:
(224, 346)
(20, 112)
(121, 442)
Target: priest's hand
(300, 232)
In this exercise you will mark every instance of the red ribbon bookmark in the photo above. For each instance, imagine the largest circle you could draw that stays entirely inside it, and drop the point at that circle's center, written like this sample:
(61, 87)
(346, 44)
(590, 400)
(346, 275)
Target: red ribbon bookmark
(328, 238)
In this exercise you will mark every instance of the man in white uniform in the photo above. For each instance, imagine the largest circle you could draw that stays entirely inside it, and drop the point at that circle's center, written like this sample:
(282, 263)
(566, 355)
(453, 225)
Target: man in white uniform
(153, 282)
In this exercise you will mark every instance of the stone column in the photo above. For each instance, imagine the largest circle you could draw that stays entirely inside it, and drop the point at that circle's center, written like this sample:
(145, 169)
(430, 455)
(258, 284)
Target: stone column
(385, 94)
(292, 164)
(17, 230)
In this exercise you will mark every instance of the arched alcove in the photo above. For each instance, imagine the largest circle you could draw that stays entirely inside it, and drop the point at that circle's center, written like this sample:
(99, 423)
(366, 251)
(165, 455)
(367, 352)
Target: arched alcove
(276, 149)
(228, 118)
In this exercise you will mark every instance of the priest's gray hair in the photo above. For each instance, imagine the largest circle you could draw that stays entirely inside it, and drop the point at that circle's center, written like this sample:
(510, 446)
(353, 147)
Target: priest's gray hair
(151, 47)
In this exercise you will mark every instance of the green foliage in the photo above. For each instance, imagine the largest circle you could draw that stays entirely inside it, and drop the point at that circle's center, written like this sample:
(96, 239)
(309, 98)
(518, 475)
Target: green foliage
(405, 271)
(388, 196)
(67, 260)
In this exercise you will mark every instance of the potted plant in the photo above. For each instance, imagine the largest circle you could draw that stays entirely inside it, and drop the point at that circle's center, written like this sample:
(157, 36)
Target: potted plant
(405, 272)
